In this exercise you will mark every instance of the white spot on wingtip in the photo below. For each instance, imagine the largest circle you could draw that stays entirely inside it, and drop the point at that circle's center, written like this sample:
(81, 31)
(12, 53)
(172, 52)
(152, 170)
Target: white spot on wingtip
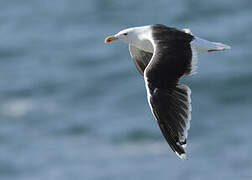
(181, 156)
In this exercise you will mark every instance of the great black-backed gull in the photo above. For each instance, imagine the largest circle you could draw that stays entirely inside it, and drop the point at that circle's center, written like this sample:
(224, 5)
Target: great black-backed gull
(163, 55)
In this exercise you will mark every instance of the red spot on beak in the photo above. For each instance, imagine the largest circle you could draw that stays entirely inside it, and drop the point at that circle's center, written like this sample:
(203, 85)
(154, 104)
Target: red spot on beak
(110, 38)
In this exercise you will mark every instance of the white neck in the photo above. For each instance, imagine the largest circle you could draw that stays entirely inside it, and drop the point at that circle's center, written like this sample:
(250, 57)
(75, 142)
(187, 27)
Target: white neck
(143, 39)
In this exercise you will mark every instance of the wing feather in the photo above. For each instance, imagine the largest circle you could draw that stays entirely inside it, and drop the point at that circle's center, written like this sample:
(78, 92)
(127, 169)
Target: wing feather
(141, 58)
(170, 101)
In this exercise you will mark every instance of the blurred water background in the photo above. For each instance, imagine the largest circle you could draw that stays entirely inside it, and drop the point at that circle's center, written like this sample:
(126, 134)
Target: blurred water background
(74, 108)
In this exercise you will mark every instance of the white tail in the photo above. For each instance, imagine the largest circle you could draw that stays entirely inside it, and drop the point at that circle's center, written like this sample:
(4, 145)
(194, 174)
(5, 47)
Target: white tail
(202, 45)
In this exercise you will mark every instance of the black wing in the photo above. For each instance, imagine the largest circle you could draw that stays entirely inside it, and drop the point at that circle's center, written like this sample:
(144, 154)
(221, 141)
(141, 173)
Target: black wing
(170, 101)
(172, 109)
(141, 58)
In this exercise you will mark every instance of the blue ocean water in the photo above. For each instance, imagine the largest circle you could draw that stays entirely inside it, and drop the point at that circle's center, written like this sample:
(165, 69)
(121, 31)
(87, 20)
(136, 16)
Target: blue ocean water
(72, 107)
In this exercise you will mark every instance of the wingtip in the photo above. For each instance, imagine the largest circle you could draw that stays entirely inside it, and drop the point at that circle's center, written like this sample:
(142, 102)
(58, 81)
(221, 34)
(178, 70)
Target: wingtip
(182, 156)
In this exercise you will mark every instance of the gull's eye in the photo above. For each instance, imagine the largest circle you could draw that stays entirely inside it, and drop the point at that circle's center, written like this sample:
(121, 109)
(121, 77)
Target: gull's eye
(125, 34)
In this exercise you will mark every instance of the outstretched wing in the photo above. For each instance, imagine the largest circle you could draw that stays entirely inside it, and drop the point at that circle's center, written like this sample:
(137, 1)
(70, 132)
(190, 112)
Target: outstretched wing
(172, 109)
(170, 101)
(141, 58)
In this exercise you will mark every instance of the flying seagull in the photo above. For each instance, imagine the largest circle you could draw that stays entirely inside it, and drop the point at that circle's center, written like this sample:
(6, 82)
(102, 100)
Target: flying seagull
(163, 55)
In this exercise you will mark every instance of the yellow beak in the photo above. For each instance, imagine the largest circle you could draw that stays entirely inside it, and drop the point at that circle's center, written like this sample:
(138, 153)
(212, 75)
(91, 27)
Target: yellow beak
(110, 38)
